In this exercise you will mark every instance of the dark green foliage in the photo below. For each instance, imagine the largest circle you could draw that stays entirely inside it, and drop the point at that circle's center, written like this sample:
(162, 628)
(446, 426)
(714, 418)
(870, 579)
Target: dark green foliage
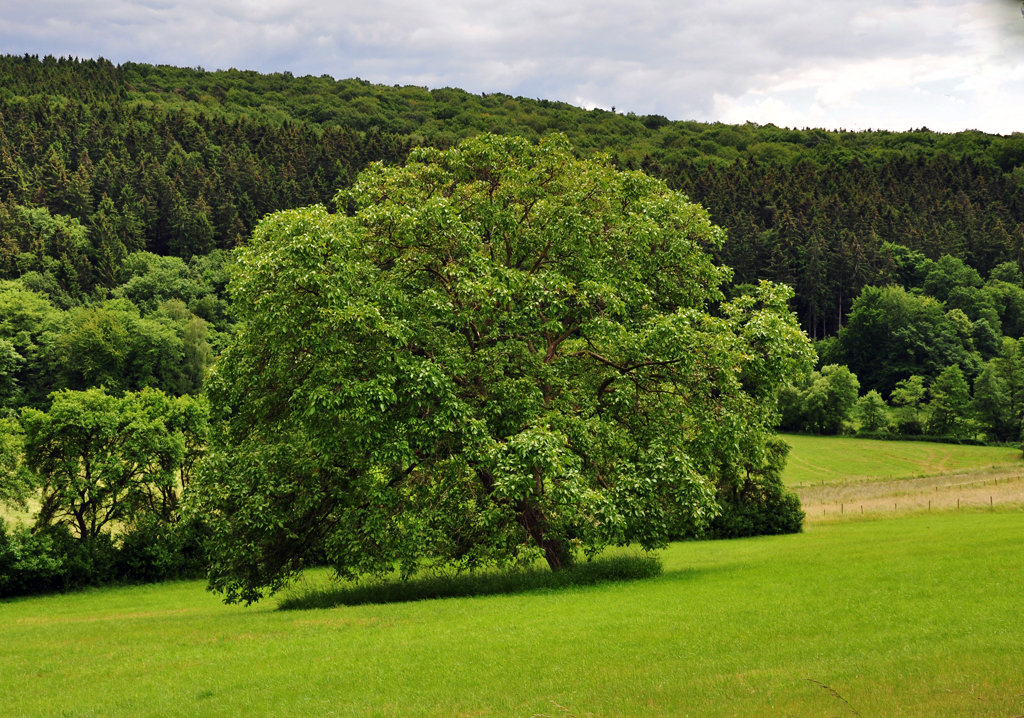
(986, 341)
(178, 160)
(154, 550)
(819, 402)
(190, 159)
(759, 504)
(587, 573)
(888, 436)
(52, 559)
(893, 334)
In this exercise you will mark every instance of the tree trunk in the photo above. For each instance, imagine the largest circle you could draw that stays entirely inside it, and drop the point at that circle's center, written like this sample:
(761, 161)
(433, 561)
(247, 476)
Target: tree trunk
(556, 553)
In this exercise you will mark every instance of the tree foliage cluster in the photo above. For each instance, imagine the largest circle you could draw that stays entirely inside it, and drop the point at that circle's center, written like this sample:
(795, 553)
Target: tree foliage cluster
(96, 462)
(935, 331)
(485, 389)
(829, 230)
(191, 159)
(160, 329)
(504, 353)
(940, 408)
(83, 185)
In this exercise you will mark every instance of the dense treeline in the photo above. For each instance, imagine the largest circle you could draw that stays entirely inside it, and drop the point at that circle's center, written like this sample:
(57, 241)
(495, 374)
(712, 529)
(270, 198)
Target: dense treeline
(827, 230)
(179, 161)
(82, 186)
(922, 341)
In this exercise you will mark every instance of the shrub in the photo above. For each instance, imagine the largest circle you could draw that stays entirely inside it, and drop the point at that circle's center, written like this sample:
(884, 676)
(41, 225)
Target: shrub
(50, 559)
(153, 551)
(760, 504)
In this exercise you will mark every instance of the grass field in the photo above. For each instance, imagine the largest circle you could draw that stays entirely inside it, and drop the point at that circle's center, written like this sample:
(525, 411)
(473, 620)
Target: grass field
(831, 459)
(918, 616)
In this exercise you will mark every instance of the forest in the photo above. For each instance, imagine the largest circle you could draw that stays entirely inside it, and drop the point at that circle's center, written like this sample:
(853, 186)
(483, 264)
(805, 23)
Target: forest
(124, 190)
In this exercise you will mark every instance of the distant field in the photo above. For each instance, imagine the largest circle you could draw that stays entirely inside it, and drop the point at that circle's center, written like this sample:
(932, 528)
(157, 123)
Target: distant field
(911, 617)
(829, 459)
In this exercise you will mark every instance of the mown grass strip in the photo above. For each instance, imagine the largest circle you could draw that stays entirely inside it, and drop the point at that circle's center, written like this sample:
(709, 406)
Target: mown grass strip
(491, 583)
(916, 617)
(837, 459)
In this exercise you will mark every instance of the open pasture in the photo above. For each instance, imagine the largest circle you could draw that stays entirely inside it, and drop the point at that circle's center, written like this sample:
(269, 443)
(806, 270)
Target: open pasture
(834, 459)
(911, 617)
(998, 487)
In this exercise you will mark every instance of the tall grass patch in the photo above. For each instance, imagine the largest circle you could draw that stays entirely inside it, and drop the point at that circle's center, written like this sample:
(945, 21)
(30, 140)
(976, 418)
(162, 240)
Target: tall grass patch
(484, 583)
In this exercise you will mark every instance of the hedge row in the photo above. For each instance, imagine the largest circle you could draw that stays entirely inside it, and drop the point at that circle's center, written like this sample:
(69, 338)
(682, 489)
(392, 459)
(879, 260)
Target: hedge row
(52, 560)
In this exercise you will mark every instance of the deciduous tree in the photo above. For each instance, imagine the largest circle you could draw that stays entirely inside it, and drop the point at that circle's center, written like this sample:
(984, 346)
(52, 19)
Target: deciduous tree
(503, 353)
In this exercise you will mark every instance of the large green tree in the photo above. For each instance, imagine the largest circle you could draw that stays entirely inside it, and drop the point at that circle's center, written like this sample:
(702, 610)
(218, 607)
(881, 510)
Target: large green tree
(893, 334)
(94, 460)
(500, 353)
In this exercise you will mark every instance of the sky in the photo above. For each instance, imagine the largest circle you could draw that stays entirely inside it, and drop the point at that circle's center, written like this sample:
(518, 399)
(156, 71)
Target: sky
(948, 65)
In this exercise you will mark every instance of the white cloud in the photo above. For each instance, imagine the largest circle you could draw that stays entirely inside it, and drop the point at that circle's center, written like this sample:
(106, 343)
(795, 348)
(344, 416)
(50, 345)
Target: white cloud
(852, 63)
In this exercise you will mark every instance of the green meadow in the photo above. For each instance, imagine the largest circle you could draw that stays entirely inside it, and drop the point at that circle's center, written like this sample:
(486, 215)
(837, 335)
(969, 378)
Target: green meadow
(831, 459)
(917, 616)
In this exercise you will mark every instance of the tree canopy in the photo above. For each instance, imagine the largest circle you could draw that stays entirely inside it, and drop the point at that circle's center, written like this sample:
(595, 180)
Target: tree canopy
(503, 352)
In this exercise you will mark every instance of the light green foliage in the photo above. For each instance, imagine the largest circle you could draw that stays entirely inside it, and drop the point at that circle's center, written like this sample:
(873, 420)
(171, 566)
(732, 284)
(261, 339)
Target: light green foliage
(151, 279)
(819, 402)
(504, 353)
(948, 274)
(872, 412)
(999, 394)
(949, 405)
(978, 304)
(907, 267)
(909, 399)
(97, 459)
(28, 323)
(15, 483)
(1008, 272)
(917, 617)
(113, 345)
(10, 362)
(54, 255)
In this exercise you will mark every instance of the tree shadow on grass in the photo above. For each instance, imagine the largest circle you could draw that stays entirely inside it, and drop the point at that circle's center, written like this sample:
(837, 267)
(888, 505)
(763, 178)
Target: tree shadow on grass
(601, 570)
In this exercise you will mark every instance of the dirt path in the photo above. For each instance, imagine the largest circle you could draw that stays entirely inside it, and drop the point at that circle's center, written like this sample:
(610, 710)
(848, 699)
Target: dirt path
(984, 488)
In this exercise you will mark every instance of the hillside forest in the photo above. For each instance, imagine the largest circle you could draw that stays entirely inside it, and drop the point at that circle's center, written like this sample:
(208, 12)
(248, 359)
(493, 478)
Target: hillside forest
(124, 190)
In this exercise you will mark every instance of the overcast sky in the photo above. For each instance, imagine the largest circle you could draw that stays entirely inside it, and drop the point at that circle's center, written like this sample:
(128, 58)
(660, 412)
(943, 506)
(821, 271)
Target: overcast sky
(896, 64)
